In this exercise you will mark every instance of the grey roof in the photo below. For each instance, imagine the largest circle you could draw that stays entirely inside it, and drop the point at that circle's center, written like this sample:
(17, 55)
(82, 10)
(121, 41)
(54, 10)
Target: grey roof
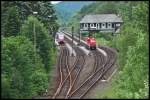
(101, 18)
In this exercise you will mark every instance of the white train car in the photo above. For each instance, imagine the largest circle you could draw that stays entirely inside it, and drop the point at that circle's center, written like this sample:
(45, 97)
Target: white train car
(60, 38)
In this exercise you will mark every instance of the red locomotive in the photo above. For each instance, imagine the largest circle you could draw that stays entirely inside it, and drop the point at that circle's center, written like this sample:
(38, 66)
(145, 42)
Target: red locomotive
(91, 42)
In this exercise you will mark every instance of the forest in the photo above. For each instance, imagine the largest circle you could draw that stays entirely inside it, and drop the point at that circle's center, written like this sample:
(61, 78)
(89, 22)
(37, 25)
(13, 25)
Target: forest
(27, 59)
(131, 43)
(66, 9)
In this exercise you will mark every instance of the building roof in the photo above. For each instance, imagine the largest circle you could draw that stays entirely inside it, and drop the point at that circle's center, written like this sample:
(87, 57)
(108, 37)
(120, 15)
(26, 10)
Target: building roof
(98, 18)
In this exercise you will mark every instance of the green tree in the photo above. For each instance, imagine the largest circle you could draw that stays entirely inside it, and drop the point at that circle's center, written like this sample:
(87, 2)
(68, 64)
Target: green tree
(24, 9)
(141, 16)
(133, 77)
(44, 42)
(5, 87)
(11, 24)
(18, 69)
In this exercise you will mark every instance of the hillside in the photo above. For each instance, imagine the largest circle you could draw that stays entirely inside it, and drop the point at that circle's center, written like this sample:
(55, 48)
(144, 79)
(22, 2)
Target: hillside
(66, 9)
(102, 7)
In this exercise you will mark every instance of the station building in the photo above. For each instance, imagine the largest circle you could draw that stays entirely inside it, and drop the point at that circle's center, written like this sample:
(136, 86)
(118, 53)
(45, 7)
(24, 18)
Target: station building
(101, 23)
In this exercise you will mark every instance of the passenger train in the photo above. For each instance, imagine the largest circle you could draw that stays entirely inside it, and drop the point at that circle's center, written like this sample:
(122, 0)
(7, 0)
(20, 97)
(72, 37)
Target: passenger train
(60, 38)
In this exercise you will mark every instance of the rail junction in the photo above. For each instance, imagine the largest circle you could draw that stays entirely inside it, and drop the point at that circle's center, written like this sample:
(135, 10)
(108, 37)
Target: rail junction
(78, 74)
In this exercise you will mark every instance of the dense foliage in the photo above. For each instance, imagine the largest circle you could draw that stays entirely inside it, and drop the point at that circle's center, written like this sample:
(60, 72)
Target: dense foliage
(131, 42)
(21, 76)
(12, 22)
(133, 78)
(43, 40)
(21, 10)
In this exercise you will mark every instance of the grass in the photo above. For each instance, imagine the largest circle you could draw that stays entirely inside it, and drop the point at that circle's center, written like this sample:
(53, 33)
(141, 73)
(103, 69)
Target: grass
(108, 92)
(101, 41)
(103, 38)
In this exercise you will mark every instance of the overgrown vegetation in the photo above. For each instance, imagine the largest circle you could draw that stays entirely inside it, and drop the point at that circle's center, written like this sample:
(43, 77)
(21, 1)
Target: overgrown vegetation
(21, 76)
(131, 42)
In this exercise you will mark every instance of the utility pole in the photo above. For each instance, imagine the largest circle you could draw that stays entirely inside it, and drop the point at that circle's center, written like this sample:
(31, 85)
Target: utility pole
(72, 30)
(51, 29)
(34, 40)
(79, 37)
(35, 13)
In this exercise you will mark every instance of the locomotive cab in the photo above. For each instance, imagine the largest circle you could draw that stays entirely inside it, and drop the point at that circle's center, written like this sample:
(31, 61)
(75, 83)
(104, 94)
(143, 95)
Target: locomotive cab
(91, 42)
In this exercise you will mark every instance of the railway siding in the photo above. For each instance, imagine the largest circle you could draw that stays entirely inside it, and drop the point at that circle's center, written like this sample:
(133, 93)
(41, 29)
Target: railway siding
(71, 50)
(86, 72)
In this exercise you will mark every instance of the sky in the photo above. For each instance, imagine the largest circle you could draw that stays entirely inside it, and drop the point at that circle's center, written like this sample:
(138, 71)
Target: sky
(55, 2)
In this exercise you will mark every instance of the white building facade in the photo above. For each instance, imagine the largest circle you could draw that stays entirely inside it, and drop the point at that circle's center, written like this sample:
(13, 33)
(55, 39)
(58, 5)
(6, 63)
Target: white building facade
(101, 22)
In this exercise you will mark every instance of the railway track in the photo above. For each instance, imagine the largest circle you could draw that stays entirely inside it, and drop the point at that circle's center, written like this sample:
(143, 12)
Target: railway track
(75, 39)
(86, 85)
(77, 67)
(98, 61)
(99, 72)
(64, 71)
(83, 89)
(64, 89)
(69, 77)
